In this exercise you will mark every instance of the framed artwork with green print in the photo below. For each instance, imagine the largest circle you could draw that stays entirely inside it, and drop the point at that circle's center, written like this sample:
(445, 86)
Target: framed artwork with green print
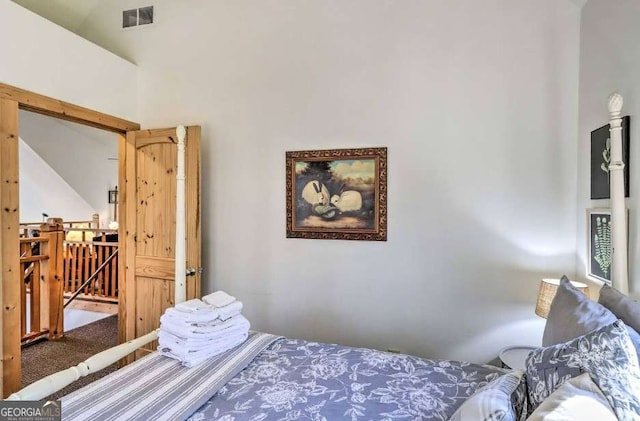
(601, 158)
(599, 244)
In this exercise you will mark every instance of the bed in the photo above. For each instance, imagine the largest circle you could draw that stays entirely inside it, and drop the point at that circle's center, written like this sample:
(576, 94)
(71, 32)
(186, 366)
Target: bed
(286, 379)
(275, 378)
(297, 379)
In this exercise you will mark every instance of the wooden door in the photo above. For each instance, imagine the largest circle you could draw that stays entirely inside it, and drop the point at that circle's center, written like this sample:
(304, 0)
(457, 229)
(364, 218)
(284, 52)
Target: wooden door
(147, 226)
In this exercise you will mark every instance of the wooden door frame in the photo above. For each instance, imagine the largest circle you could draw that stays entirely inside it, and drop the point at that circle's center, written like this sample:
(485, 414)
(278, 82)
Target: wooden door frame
(11, 100)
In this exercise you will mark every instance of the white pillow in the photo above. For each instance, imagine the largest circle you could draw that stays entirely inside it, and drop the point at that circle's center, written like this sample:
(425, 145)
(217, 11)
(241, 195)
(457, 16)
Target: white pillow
(493, 401)
(577, 399)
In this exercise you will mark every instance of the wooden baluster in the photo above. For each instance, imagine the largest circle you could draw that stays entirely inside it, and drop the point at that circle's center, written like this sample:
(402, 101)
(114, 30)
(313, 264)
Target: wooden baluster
(102, 256)
(52, 268)
(114, 274)
(68, 287)
(78, 264)
(86, 250)
(44, 286)
(35, 296)
(23, 301)
(24, 317)
(103, 280)
(74, 264)
(94, 253)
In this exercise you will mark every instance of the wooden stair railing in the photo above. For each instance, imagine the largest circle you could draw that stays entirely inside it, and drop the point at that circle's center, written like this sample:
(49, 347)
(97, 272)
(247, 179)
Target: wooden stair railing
(41, 266)
(30, 264)
(94, 223)
(83, 257)
(93, 276)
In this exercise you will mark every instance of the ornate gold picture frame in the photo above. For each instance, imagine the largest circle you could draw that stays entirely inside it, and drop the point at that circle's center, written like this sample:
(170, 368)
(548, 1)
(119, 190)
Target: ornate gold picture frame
(337, 194)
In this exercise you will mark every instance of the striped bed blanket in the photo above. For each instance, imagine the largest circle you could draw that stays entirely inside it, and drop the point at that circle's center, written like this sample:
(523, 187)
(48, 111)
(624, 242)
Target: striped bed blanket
(160, 388)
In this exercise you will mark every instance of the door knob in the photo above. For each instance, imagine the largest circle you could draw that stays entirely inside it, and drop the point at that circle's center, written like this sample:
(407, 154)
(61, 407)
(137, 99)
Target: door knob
(193, 271)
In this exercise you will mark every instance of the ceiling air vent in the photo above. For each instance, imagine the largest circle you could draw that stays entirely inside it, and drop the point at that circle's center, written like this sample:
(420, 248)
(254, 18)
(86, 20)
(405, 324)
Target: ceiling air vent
(137, 17)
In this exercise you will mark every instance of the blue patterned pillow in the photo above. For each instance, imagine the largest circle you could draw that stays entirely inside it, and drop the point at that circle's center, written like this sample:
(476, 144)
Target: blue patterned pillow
(607, 354)
(501, 400)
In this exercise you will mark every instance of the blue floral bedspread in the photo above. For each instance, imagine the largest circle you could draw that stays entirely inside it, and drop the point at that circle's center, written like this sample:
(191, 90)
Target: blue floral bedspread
(300, 380)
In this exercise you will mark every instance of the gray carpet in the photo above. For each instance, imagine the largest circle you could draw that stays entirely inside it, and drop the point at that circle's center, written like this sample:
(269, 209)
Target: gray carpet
(48, 357)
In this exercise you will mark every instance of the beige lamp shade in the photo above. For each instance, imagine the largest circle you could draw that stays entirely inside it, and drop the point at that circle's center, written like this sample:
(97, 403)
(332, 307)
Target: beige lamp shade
(548, 289)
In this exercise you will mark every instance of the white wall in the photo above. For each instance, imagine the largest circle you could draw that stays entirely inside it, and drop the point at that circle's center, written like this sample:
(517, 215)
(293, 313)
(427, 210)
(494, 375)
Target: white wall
(42, 190)
(609, 61)
(42, 57)
(79, 155)
(477, 102)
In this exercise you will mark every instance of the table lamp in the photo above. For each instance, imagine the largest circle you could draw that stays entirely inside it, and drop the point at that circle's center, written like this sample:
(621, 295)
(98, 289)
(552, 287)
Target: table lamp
(548, 289)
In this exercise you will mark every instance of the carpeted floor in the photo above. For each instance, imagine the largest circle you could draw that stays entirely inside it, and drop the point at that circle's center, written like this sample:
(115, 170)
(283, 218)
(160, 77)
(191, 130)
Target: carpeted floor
(48, 357)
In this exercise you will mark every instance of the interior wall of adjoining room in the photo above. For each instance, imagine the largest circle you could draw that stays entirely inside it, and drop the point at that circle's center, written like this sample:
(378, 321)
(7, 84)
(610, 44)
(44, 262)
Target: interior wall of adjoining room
(68, 170)
(43, 193)
(477, 103)
(609, 62)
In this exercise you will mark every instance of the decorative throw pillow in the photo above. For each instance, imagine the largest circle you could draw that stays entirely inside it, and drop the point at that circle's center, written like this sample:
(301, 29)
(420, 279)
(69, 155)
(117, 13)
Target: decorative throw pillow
(635, 339)
(500, 400)
(573, 314)
(607, 354)
(576, 400)
(625, 309)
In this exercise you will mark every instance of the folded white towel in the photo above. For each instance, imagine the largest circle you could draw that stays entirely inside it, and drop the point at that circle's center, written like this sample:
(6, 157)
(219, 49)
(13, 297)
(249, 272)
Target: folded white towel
(201, 341)
(218, 299)
(193, 306)
(191, 359)
(230, 310)
(181, 347)
(206, 331)
(178, 347)
(195, 319)
(169, 340)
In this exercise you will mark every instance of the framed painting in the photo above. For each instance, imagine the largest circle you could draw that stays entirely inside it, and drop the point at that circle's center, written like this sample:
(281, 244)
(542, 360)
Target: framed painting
(337, 194)
(601, 158)
(599, 253)
(599, 244)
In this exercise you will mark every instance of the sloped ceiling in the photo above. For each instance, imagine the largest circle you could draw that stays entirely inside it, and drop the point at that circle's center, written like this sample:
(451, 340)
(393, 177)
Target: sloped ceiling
(71, 13)
(67, 13)
(580, 3)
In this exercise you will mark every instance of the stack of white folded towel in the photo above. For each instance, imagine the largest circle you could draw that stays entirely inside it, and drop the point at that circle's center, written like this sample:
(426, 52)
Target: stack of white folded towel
(196, 330)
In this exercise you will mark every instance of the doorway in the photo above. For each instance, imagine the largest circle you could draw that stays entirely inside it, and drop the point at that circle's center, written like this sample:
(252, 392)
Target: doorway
(11, 101)
(69, 172)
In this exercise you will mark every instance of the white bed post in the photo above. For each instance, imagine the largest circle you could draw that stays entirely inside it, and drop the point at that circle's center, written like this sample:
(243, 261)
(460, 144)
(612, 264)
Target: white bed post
(619, 271)
(181, 240)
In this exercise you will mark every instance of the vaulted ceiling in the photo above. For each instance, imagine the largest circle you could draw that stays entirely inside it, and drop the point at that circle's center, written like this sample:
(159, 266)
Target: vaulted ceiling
(70, 14)
(67, 13)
